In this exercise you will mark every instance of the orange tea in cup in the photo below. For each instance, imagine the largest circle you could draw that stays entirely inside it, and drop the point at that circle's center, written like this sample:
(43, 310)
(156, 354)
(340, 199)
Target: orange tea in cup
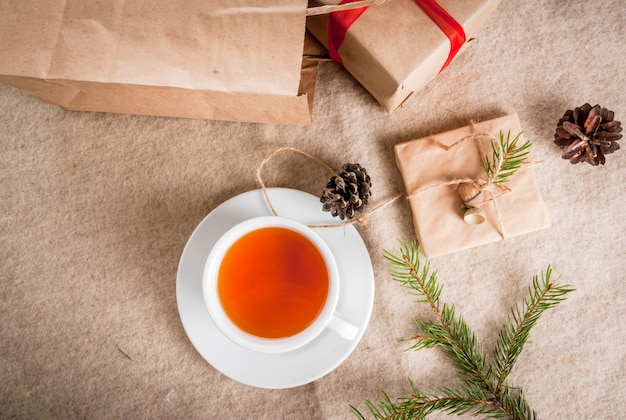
(273, 282)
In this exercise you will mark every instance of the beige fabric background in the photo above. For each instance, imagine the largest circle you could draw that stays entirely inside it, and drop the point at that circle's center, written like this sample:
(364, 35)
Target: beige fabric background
(95, 210)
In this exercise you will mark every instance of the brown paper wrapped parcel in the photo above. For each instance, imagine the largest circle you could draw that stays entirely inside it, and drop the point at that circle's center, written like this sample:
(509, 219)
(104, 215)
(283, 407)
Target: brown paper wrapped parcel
(394, 49)
(429, 167)
(238, 60)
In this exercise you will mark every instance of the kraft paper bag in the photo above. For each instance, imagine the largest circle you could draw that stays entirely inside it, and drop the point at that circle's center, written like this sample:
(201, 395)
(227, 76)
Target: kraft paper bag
(394, 49)
(429, 168)
(237, 60)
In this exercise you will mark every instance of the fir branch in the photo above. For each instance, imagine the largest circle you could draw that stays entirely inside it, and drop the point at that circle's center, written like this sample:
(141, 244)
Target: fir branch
(482, 391)
(453, 335)
(507, 158)
(514, 406)
(542, 296)
(459, 343)
(466, 399)
(423, 340)
(409, 271)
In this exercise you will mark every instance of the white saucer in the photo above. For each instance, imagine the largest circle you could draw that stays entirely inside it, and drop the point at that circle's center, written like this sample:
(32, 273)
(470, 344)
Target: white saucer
(326, 351)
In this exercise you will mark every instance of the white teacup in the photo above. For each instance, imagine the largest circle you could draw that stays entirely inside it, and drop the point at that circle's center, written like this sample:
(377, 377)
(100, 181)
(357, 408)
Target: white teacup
(326, 317)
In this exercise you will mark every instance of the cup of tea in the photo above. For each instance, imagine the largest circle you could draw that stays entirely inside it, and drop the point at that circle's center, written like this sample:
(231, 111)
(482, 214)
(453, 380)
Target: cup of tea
(271, 285)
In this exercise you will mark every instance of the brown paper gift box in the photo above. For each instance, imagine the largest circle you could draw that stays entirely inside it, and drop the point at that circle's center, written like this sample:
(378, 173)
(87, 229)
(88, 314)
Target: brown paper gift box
(427, 163)
(394, 49)
(229, 60)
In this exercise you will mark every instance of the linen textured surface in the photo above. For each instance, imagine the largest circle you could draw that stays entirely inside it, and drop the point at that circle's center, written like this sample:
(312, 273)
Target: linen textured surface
(95, 210)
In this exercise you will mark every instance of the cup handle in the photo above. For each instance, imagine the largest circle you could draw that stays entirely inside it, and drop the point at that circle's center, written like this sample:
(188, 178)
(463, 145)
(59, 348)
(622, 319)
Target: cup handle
(343, 327)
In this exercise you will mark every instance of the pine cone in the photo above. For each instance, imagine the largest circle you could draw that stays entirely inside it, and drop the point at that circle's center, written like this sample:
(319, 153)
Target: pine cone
(347, 192)
(587, 134)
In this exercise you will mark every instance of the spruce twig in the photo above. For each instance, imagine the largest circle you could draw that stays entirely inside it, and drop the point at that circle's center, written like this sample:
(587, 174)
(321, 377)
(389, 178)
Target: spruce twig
(542, 296)
(483, 389)
(507, 158)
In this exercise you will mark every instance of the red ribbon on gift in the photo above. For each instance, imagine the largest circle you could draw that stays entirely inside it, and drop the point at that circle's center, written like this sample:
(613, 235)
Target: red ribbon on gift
(337, 26)
(339, 23)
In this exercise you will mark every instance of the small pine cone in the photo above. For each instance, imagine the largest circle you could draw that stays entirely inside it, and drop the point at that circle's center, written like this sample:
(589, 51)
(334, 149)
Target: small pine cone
(347, 192)
(588, 134)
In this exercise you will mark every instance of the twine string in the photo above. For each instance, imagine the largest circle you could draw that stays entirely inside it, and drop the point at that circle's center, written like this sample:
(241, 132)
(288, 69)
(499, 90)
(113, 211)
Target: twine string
(480, 182)
(488, 184)
(274, 153)
(360, 218)
(323, 10)
(488, 187)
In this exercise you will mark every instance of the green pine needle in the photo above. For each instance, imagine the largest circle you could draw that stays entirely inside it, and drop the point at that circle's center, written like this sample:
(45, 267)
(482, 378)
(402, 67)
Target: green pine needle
(483, 389)
(542, 296)
(507, 158)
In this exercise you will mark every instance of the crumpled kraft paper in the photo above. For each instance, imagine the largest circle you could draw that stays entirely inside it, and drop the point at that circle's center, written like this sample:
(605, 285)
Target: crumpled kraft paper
(394, 49)
(427, 164)
(238, 60)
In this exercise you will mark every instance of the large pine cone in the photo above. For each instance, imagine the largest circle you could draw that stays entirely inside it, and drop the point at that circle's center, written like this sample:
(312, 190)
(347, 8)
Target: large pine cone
(587, 134)
(347, 192)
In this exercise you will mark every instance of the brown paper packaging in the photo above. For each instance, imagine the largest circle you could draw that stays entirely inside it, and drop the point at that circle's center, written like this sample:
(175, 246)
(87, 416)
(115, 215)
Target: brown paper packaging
(229, 60)
(394, 49)
(438, 211)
